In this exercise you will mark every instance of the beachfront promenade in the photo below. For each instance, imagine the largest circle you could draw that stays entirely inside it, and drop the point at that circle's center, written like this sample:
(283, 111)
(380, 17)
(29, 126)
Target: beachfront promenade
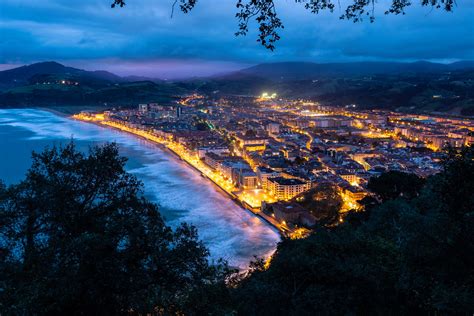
(246, 201)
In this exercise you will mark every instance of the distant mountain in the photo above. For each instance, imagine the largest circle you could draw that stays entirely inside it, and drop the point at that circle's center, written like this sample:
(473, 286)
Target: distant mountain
(22, 75)
(230, 84)
(412, 87)
(50, 83)
(141, 78)
(285, 71)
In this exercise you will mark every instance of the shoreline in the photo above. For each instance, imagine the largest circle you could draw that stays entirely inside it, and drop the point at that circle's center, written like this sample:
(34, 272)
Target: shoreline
(224, 232)
(53, 111)
(164, 148)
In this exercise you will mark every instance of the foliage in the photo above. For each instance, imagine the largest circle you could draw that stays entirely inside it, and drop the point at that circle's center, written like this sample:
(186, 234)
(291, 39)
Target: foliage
(86, 94)
(202, 126)
(265, 15)
(250, 133)
(407, 256)
(393, 184)
(77, 236)
(299, 161)
(324, 202)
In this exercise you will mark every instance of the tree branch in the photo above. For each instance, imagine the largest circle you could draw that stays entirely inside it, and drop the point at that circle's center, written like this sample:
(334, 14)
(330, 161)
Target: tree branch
(265, 15)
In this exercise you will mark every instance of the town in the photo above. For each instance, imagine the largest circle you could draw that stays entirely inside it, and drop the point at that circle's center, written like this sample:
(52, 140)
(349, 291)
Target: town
(272, 155)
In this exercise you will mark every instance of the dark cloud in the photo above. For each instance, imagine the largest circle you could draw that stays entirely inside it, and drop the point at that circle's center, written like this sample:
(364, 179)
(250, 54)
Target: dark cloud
(143, 38)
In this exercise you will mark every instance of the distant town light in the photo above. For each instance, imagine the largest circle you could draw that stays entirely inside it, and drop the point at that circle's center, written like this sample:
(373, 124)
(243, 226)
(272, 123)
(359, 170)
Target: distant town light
(268, 96)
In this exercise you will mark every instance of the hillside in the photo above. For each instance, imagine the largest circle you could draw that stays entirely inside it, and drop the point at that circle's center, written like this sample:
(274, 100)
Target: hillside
(52, 84)
(413, 87)
(451, 93)
(119, 93)
(312, 71)
(22, 75)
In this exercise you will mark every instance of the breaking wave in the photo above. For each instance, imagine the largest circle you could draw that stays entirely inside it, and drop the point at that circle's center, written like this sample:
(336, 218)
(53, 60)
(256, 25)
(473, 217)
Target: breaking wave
(229, 231)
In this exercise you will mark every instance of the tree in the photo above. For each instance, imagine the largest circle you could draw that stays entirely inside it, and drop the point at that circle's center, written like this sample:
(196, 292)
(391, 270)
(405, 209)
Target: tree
(394, 184)
(264, 13)
(299, 161)
(324, 202)
(406, 257)
(333, 272)
(202, 126)
(77, 236)
(456, 185)
(250, 133)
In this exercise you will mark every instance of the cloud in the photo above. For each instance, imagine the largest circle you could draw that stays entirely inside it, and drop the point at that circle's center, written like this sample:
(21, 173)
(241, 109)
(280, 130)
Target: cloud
(143, 34)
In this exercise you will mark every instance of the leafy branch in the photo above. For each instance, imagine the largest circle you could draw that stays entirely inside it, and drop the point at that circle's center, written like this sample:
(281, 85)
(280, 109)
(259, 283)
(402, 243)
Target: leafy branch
(263, 12)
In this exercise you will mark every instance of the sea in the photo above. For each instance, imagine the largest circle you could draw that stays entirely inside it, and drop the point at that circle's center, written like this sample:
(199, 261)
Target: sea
(183, 195)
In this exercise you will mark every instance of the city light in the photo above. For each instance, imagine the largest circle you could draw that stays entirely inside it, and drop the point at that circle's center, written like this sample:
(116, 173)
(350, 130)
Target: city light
(253, 197)
(313, 143)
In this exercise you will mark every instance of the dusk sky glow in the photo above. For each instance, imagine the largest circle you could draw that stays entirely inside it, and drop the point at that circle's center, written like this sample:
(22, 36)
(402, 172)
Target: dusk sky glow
(142, 38)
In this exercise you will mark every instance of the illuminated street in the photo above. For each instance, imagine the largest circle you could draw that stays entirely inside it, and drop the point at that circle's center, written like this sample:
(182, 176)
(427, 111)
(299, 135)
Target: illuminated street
(252, 198)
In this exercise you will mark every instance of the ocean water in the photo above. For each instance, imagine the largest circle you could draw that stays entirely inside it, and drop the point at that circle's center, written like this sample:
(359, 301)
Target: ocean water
(229, 231)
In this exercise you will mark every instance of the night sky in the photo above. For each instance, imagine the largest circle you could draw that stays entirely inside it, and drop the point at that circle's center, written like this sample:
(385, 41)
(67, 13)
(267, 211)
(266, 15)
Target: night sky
(142, 38)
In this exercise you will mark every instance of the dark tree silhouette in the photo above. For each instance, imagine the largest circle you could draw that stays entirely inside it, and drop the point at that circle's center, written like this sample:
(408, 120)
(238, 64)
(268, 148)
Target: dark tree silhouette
(393, 184)
(323, 202)
(264, 12)
(406, 257)
(77, 237)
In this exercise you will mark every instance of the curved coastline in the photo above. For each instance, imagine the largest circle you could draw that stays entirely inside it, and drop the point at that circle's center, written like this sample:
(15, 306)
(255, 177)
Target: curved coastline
(266, 218)
(230, 231)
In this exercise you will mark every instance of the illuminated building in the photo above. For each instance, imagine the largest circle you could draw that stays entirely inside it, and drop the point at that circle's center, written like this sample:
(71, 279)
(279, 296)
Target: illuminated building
(273, 128)
(219, 150)
(264, 173)
(286, 189)
(349, 177)
(251, 140)
(292, 213)
(353, 193)
(248, 179)
(213, 160)
(255, 147)
(143, 108)
(232, 168)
